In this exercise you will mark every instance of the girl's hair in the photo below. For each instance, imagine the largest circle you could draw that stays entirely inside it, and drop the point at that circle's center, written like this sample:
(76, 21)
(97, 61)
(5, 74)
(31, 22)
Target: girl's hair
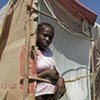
(43, 25)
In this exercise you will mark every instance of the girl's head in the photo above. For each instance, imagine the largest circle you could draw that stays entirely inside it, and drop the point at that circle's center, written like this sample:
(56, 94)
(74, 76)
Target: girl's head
(45, 34)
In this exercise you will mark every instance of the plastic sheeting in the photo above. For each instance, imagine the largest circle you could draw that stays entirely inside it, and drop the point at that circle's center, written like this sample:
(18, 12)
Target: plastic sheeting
(12, 38)
(72, 56)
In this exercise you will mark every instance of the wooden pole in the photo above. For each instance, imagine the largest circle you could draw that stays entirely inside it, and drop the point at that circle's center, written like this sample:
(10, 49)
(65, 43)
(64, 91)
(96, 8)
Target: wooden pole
(26, 58)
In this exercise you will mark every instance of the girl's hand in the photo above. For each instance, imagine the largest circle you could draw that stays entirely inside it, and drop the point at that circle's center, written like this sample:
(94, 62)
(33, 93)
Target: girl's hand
(60, 88)
(53, 73)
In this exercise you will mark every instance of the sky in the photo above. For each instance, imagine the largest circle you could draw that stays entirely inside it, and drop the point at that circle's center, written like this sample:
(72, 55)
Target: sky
(94, 5)
(3, 2)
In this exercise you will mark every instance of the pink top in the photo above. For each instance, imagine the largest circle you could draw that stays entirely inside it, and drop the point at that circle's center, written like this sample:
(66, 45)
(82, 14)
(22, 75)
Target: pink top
(44, 61)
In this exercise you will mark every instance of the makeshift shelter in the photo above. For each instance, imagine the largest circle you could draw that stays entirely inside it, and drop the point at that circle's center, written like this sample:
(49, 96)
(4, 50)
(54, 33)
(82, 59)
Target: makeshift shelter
(72, 48)
(16, 28)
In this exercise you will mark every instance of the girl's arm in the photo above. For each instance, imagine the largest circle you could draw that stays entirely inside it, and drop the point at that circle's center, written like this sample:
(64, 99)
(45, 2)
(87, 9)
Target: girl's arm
(60, 88)
(49, 73)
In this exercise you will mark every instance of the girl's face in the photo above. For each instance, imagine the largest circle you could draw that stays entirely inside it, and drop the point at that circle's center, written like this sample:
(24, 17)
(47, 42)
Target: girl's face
(44, 37)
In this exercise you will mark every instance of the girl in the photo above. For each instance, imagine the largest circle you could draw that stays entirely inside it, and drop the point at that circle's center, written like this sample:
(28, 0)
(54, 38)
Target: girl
(46, 66)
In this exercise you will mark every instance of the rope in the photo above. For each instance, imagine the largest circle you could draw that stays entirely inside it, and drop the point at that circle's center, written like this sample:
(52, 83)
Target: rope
(79, 78)
(29, 33)
(92, 75)
(97, 71)
(66, 81)
(26, 58)
(93, 70)
(59, 21)
(64, 24)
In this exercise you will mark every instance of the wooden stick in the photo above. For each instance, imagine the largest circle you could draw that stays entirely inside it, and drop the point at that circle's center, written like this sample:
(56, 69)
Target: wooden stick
(39, 79)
